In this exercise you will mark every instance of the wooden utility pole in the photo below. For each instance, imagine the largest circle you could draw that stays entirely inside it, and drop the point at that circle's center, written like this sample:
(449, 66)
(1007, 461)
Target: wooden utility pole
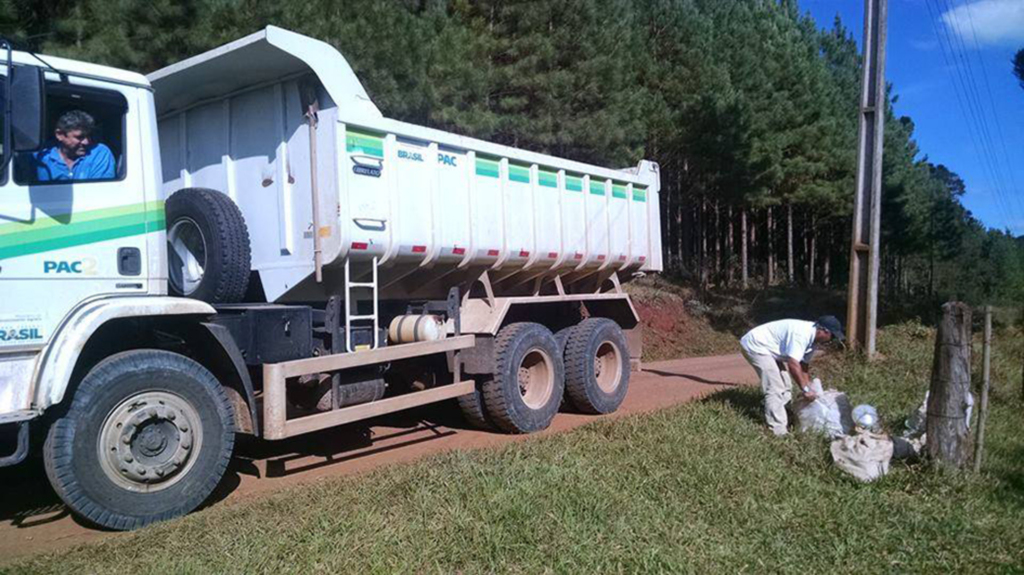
(947, 426)
(986, 365)
(862, 313)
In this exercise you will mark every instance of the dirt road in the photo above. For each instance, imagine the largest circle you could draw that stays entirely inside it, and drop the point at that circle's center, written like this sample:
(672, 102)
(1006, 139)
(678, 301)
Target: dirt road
(33, 520)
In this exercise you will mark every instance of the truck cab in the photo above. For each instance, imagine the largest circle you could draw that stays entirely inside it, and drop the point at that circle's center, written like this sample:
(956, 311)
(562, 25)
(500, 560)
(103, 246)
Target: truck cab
(73, 244)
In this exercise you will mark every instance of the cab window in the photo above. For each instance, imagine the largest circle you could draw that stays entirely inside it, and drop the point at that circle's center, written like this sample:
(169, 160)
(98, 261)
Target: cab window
(86, 129)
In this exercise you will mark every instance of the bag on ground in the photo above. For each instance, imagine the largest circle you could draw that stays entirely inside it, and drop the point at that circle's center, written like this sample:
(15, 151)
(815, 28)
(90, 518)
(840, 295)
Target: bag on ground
(865, 455)
(828, 413)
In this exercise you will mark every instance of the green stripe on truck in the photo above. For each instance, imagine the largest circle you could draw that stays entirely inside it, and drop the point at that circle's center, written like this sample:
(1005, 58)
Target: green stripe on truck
(77, 217)
(619, 191)
(574, 183)
(84, 228)
(488, 167)
(518, 173)
(639, 194)
(547, 179)
(364, 142)
(597, 188)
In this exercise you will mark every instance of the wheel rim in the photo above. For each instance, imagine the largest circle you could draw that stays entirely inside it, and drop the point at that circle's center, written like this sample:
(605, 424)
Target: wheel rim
(150, 441)
(536, 378)
(188, 246)
(608, 367)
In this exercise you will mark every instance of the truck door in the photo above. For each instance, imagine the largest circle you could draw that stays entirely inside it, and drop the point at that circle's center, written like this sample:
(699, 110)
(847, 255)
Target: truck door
(69, 233)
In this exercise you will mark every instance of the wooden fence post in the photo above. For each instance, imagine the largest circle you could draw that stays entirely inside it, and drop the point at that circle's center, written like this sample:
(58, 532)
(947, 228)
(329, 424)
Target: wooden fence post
(986, 364)
(948, 430)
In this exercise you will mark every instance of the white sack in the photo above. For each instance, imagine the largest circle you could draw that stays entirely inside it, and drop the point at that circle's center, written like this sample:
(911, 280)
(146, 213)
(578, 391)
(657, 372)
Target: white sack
(865, 455)
(830, 412)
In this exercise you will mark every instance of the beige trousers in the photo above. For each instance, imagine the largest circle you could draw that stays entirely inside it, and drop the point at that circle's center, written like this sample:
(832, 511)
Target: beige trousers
(777, 387)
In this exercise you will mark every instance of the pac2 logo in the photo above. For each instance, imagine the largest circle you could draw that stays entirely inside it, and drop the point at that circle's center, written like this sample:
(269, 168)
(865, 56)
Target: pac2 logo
(446, 160)
(86, 267)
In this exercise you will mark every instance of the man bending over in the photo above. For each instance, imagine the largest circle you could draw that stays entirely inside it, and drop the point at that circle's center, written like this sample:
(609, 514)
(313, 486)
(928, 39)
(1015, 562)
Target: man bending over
(778, 352)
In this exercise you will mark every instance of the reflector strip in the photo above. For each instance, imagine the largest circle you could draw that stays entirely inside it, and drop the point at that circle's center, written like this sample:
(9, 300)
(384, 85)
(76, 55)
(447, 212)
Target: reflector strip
(459, 251)
(492, 252)
(524, 254)
(553, 255)
(419, 249)
(359, 245)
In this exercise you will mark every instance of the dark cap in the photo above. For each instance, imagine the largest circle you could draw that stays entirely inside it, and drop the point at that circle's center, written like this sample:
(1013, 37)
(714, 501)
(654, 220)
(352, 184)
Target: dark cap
(830, 323)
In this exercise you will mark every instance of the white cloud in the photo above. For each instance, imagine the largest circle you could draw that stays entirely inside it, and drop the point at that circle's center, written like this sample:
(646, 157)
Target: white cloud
(924, 45)
(994, 22)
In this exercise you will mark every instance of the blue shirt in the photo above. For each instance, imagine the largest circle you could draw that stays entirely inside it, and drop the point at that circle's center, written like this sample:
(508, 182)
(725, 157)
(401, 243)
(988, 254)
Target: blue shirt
(97, 164)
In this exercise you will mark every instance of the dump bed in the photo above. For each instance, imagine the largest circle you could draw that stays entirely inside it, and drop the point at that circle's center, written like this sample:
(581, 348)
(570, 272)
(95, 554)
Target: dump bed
(432, 207)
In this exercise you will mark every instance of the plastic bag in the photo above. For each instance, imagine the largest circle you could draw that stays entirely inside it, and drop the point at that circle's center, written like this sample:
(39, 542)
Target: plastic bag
(911, 442)
(829, 412)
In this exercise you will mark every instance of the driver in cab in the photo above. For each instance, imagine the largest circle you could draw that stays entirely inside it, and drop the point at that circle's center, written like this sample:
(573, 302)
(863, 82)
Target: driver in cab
(73, 156)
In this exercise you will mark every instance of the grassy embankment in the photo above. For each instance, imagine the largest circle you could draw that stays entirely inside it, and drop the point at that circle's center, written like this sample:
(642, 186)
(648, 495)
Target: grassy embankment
(697, 488)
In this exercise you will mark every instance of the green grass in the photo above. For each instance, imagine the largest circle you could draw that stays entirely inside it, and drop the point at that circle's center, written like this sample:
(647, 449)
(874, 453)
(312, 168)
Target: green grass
(697, 488)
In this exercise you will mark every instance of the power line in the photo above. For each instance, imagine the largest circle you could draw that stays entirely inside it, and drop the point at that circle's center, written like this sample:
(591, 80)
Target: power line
(959, 82)
(986, 133)
(968, 85)
(1016, 191)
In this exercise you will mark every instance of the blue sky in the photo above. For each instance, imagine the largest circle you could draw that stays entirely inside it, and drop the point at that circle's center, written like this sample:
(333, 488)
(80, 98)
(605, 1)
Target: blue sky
(949, 63)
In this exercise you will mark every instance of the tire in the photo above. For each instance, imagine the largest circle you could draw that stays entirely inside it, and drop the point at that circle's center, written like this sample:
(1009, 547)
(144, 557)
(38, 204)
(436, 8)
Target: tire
(524, 394)
(473, 409)
(562, 337)
(179, 445)
(208, 250)
(596, 366)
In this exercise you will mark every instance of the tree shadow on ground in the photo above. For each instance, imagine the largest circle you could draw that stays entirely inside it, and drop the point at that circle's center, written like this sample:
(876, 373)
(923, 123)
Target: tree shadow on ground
(696, 378)
(745, 401)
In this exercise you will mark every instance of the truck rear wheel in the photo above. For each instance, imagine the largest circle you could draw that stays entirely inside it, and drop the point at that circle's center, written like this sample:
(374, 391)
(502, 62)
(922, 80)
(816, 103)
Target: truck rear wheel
(526, 390)
(208, 251)
(147, 437)
(596, 366)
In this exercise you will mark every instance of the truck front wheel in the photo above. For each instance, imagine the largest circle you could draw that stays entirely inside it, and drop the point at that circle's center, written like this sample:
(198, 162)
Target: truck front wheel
(147, 437)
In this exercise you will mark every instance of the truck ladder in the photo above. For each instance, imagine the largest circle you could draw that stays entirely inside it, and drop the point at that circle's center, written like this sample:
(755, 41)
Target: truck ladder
(350, 317)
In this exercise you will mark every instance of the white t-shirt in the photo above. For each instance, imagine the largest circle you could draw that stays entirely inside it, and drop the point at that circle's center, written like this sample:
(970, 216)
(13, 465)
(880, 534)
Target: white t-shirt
(781, 339)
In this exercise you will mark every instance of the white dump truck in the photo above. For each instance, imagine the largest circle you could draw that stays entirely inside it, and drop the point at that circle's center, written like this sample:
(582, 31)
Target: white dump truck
(243, 243)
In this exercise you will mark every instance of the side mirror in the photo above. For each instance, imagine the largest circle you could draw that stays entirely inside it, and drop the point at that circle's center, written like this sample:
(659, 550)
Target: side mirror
(28, 108)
